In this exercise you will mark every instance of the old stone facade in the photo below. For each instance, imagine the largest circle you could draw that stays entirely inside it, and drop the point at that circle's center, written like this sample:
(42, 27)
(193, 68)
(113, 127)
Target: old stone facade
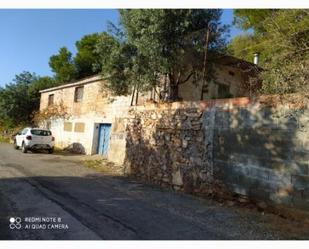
(255, 148)
(96, 119)
(231, 77)
(80, 131)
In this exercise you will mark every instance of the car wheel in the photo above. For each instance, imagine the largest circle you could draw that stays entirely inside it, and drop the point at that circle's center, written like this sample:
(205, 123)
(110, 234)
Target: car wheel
(23, 148)
(50, 151)
(16, 147)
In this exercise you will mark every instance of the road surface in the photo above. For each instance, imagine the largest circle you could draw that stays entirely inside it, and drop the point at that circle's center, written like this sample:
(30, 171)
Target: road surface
(46, 196)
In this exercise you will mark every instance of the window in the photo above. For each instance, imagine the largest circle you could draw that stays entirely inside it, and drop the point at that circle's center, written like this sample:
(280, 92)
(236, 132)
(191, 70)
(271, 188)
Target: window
(79, 127)
(231, 73)
(224, 91)
(51, 99)
(67, 126)
(24, 131)
(44, 133)
(79, 92)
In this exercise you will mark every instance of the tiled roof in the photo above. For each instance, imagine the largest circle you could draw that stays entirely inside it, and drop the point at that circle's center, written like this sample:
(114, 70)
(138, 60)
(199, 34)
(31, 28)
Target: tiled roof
(245, 66)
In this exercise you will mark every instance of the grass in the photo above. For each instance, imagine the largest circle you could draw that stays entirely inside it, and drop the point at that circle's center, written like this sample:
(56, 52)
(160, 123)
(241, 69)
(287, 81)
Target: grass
(103, 166)
(4, 139)
(60, 151)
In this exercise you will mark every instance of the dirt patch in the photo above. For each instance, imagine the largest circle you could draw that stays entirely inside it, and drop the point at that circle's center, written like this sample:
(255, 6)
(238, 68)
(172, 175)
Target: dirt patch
(299, 230)
(104, 166)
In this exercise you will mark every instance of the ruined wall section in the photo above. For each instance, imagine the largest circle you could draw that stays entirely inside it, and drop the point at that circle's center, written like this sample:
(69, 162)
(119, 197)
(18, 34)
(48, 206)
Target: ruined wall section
(257, 148)
(166, 146)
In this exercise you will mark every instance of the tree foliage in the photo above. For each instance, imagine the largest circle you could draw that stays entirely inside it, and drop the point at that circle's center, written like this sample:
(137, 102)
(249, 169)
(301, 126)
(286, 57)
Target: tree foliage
(122, 63)
(20, 98)
(170, 42)
(252, 18)
(149, 44)
(282, 39)
(243, 46)
(15, 100)
(52, 112)
(86, 59)
(63, 66)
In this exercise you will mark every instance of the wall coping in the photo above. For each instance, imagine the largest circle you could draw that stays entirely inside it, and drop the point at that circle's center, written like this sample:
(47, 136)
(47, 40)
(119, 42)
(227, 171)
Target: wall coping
(293, 100)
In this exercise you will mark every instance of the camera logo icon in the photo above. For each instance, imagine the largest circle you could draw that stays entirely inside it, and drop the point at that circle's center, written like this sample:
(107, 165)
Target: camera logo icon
(15, 223)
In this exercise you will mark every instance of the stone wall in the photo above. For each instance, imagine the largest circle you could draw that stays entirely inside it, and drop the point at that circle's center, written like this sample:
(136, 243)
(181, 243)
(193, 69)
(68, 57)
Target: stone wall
(98, 106)
(254, 148)
(166, 146)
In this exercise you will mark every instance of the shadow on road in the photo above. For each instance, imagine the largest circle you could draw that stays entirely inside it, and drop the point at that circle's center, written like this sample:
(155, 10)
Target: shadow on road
(116, 208)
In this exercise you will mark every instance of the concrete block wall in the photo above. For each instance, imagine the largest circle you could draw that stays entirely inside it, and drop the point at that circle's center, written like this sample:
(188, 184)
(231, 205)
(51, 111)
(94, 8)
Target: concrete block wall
(257, 148)
(263, 152)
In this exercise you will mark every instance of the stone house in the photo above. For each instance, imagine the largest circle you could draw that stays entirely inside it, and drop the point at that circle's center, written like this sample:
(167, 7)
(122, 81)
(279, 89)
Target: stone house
(95, 123)
(96, 120)
(231, 78)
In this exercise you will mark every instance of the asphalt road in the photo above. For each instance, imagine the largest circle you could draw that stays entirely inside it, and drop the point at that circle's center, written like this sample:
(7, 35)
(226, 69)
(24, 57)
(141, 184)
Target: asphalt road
(56, 197)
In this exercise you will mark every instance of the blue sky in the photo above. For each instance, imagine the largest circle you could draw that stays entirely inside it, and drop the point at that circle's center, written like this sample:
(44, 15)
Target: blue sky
(30, 37)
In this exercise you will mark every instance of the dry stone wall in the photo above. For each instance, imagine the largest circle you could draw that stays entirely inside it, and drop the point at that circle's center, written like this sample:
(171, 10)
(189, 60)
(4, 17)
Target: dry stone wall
(166, 147)
(254, 148)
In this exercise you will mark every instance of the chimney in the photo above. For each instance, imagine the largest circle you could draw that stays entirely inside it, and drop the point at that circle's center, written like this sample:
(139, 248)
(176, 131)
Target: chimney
(256, 58)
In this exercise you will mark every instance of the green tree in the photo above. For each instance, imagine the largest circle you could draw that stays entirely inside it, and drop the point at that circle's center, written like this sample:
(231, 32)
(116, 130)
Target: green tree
(243, 46)
(282, 39)
(87, 59)
(171, 42)
(252, 18)
(63, 66)
(15, 102)
(19, 99)
(122, 64)
(286, 48)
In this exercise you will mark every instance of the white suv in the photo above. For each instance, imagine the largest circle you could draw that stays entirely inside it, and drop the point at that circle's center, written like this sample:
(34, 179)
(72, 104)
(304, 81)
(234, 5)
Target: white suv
(34, 139)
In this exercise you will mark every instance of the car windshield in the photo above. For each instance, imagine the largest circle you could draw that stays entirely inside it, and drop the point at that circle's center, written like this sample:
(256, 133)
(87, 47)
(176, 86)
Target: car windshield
(40, 132)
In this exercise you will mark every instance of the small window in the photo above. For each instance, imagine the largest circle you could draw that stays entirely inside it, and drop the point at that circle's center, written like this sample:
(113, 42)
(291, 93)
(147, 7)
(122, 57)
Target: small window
(44, 133)
(51, 99)
(231, 73)
(79, 92)
(224, 91)
(24, 131)
(67, 126)
(79, 127)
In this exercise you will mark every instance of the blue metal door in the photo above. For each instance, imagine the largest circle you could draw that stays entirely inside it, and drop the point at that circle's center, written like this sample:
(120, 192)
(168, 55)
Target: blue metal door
(104, 134)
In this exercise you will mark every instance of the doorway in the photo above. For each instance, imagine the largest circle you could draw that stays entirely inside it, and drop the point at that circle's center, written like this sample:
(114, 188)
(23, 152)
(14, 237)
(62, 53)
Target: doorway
(103, 139)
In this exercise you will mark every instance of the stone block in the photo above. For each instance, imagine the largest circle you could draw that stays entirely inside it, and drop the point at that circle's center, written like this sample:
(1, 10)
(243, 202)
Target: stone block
(237, 189)
(300, 198)
(259, 173)
(225, 172)
(259, 193)
(301, 203)
(280, 180)
(177, 178)
(301, 155)
(300, 181)
(281, 197)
